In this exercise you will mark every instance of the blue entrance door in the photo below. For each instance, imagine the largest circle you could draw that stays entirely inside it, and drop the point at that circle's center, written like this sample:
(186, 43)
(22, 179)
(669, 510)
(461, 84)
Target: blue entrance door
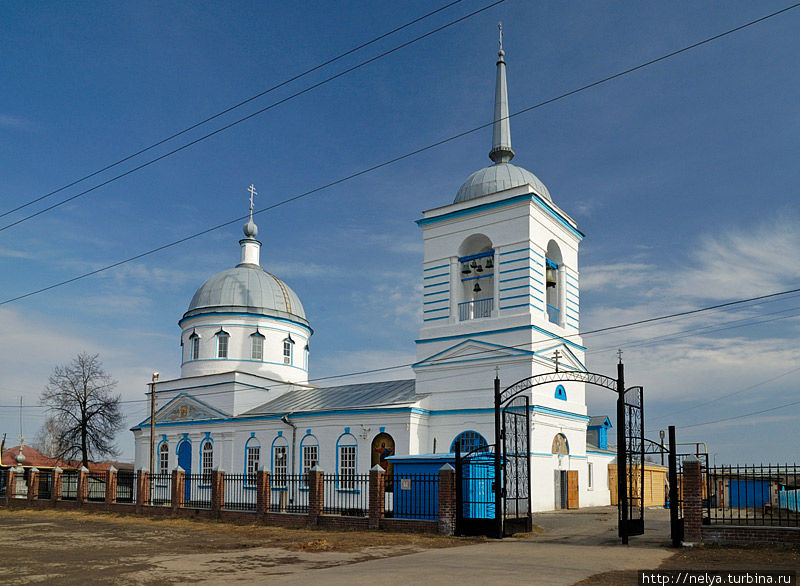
(185, 462)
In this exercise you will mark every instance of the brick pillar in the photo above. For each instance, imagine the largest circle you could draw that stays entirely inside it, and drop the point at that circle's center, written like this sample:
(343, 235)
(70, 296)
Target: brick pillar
(377, 492)
(316, 498)
(217, 491)
(83, 485)
(263, 494)
(692, 500)
(111, 485)
(33, 483)
(11, 484)
(447, 500)
(55, 486)
(142, 489)
(178, 487)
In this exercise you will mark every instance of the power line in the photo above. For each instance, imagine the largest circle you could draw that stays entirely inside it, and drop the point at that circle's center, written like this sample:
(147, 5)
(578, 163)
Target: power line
(232, 108)
(379, 165)
(252, 115)
(741, 416)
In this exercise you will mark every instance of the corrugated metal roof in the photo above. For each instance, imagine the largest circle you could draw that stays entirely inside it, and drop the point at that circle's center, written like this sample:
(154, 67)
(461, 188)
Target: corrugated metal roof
(393, 392)
(597, 420)
(590, 447)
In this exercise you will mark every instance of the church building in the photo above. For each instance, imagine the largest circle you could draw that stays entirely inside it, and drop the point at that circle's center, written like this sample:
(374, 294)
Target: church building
(501, 297)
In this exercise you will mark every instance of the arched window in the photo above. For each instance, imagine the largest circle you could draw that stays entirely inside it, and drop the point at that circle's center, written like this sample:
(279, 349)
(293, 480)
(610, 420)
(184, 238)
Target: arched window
(222, 344)
(257, 346)
(309, 448)
(560, 445)
(207, 459)
(469, 441)
(347, 460)
(252, 455)
(554, 284)
(280, 461)
(476, 266)
(163, 458)
(305, 357)
(194, 346)
(561, 393)
(288, 346)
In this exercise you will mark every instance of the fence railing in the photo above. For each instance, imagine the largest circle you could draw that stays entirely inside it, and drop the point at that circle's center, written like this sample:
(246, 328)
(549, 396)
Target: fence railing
(346, 495)
(240, 492)
(412, 496)
(197, 491)
(289, 493)
(3, 481)
(475, 309)
(758, 495)
(126, 487)
(96, 489)
(45, 485)
(69, 485)
(161, 489)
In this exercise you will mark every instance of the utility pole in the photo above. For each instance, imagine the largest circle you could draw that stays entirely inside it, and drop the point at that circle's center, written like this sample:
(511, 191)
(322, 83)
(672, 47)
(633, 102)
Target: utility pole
(153, 423)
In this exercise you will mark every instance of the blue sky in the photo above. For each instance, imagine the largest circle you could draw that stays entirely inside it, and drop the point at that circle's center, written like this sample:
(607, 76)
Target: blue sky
(683, 176)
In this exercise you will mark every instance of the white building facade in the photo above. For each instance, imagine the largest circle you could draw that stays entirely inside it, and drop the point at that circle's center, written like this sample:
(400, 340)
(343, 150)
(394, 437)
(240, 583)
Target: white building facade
(501, 297)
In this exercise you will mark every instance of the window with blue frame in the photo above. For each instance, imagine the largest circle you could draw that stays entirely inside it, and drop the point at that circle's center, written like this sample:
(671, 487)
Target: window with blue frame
(257, 347)
(561, 393)
(347, 460)
(194, 346)
(207, 460)
(252, 456)
(163, 458)
(222, 344)
(469, 441)
(280, 462)
(288, 345)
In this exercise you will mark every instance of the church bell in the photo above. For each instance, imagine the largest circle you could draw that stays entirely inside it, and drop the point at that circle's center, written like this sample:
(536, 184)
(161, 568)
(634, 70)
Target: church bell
(550, 277)
(477, 287)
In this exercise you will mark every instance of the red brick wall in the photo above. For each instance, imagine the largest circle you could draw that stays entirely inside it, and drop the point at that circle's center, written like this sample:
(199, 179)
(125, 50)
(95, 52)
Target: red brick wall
(732, 535)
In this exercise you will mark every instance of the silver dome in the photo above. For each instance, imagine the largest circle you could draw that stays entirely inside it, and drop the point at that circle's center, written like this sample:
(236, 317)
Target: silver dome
(250, 288)
(499, 177)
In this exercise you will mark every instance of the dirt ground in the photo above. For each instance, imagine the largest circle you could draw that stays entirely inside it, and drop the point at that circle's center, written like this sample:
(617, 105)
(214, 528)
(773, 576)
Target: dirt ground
(79, 548)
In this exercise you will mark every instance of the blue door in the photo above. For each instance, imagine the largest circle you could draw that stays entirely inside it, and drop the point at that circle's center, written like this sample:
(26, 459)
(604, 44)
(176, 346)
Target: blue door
(749, 494)
(185, 462)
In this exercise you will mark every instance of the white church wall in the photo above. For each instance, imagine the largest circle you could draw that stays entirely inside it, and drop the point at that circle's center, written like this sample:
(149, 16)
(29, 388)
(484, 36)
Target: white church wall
(599, 494)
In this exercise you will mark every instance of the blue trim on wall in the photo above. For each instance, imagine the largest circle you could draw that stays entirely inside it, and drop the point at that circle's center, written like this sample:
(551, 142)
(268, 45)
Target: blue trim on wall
(244, 360)
(435, 318)
(436, 292)
(445, 308)
(252, 314)
(436, 268)
(503, 203)
(429, 285)
(445, 300)
(436, 276)
(501, 331)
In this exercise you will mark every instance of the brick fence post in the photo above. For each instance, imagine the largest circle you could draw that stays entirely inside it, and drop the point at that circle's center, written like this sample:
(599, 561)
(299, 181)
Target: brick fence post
(11, 484)
(55, 486)
(142, 489)
(111, 485)
(263, 494)
(217, 491)
(316, 498)
(178, 488)
(83, 485)
(377, 492)
(692, 501)
(447, 500)
(33, 483)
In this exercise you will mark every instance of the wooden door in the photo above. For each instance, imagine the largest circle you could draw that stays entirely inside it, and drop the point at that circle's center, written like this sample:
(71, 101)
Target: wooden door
(572, 489)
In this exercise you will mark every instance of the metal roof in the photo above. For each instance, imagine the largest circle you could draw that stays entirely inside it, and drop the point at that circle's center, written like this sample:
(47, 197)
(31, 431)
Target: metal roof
(499, 177)
(395, 392)
(246, 286)
(597, 421)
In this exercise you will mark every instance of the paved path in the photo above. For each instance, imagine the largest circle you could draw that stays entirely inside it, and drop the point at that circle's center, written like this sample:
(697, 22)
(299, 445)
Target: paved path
(574, 546)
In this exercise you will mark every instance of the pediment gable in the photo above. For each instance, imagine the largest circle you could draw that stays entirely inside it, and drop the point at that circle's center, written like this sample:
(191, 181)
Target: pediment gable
(472, 351)
(186, 408)
(566, 357)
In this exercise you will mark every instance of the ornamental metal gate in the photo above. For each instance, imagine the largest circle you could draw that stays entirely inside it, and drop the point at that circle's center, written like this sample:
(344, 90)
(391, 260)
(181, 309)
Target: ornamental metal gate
(503, 470)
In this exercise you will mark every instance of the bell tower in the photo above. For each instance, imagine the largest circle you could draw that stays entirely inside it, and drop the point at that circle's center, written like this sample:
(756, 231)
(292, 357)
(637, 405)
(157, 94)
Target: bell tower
(500, 277)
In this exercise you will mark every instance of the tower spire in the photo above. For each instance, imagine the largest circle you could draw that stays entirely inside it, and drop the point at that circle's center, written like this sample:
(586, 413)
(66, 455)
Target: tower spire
(250, 246)
(501, 136)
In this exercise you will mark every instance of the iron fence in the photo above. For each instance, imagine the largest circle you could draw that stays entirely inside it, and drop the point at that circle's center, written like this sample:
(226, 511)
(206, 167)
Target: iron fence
(758, 495)
(346, 495)
(412, 496)
(197, 491)
(69, 485)
(161, 489)
(475, 309)
(3, 481)
(289, 493)
(240, 492)
(45, 491)
(126, 487)
(96, 490)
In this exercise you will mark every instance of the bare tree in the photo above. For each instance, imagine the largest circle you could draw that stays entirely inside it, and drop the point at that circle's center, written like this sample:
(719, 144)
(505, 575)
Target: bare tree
(83, 415)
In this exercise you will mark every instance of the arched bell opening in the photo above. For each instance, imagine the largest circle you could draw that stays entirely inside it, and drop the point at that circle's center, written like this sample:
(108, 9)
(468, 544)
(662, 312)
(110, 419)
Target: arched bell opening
(554, 284)
(477, 273)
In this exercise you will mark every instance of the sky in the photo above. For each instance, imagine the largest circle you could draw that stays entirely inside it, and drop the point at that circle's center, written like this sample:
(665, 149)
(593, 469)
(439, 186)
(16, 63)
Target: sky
(683, 176)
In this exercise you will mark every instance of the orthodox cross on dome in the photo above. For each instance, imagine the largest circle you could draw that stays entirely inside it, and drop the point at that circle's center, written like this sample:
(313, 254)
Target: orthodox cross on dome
(556, 356)
(253, 192)
(619, 355)
(500, 27)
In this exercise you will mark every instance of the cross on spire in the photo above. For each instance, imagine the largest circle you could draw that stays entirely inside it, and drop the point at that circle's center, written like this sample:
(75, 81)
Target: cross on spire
(556, 356)
(253, 192)
(500, 27)
(619, 355)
